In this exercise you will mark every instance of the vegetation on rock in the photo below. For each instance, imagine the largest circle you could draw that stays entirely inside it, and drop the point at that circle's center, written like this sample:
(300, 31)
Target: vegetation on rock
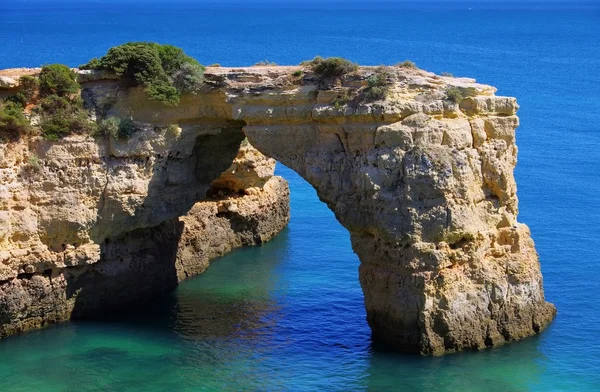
(61, 116)
(407, 64)
(454, 94)
(57, 79)
(341, 100)
(332, 67)
(109, 127)
(378, 84)
(165, 70)
(29, 86)
(60, 110)
(116, 128)
(13, 123)
(92, 64)
(19, 98)
(189, 78)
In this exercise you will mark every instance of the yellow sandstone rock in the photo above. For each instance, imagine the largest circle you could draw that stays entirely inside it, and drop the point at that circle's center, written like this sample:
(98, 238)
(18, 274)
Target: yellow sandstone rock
(424, 185)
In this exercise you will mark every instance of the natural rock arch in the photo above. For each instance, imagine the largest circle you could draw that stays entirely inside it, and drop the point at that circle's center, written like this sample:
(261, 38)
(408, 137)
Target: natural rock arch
(426, 189)
(424, 185)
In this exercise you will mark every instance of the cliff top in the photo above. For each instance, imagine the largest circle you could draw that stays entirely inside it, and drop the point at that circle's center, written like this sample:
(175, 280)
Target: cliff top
(9, 78)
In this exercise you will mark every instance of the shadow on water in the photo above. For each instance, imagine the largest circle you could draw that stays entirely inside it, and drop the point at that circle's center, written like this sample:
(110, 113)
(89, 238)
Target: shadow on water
(213, 330)
(231, 299)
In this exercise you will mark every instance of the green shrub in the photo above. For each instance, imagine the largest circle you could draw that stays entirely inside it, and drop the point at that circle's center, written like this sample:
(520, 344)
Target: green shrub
(116, 128)
(55, 113)
(58, 79)
(340, 101)
(332, 67)
(29, 86)
(57, 126)
(407, 64)
(139, 62)
(376, 94)
(33, 161)
(454, 94)
(109, 127)
(126, 128)
(60, 117)
(13, 123)
(171, 57)
(54, 104)
(298, 74)
(378, 84)
(189, 78)
(215, 65)
(164, 92)
(165, 70)
(379, 78)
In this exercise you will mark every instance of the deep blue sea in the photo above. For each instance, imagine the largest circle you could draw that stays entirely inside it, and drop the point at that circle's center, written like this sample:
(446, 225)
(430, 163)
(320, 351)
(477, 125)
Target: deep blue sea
(288, 316)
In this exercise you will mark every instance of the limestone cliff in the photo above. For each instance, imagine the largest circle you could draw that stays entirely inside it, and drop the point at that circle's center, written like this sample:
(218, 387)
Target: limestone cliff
(53, 210)
(423, 183)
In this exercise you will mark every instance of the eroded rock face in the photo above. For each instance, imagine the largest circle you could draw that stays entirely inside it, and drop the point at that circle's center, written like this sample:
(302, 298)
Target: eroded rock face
(85, 230)
(424, 185)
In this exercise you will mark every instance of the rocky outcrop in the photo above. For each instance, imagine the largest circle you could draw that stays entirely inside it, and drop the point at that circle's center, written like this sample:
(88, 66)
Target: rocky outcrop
(423, 183)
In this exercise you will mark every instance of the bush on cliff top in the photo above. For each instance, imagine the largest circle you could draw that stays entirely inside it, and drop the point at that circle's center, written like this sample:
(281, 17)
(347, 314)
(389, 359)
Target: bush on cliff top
(60, 109)
(407, 64)
(332, 67)
(165, 70)
(57, 79)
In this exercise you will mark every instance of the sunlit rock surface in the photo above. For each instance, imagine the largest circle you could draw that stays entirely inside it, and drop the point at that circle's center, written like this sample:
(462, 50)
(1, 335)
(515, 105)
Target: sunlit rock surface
(424, 185)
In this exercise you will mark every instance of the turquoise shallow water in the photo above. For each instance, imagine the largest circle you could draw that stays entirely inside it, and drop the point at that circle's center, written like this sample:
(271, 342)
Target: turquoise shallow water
(289, 315)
